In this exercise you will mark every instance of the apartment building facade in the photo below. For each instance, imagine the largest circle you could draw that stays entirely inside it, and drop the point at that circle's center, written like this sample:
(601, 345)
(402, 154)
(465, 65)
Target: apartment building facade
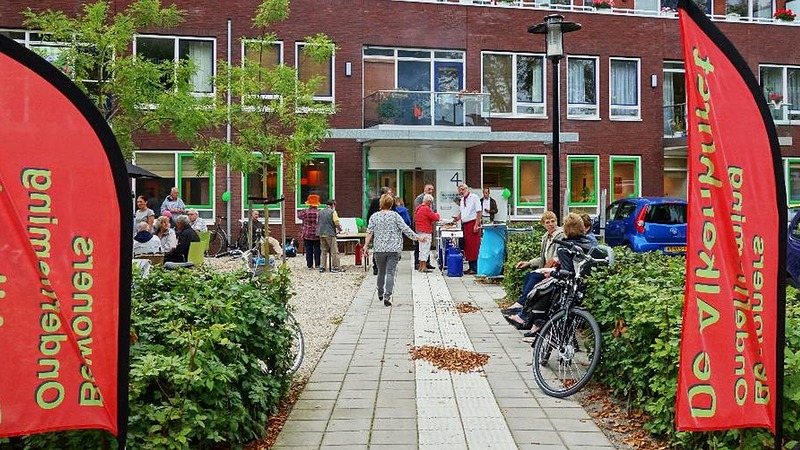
(445, 92)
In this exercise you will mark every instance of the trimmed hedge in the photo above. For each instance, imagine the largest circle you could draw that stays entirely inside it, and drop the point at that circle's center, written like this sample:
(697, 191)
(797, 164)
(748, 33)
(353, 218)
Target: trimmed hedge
(209, 355)
(638, 304)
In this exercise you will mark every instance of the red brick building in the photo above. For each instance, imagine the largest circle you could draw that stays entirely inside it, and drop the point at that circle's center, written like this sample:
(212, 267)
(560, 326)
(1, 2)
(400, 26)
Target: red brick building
(447, 91)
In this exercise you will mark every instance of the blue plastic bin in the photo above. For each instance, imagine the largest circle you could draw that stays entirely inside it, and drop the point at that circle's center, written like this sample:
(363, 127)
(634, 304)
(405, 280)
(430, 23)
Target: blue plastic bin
(455, 262)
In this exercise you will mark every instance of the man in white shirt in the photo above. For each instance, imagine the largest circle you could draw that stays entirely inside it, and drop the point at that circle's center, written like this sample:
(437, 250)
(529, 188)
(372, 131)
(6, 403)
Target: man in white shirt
(469, 214)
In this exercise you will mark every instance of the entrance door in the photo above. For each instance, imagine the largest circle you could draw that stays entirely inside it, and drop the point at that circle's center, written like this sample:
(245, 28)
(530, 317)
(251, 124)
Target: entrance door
(414, 182)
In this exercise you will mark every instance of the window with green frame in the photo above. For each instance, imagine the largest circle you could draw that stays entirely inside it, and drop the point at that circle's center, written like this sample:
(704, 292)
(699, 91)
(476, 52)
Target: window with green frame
(583, 176)
(792, 175)
(530, 181)
(315, 176)
(175, 169)
(625, 179)
(267, 182)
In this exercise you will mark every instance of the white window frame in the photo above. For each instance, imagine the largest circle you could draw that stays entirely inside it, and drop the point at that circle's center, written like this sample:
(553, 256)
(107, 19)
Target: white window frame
(787, 110)
(297, 54)
(176, 54)
(637, 108)
(261, 41)
(596, 105)
(515, 104)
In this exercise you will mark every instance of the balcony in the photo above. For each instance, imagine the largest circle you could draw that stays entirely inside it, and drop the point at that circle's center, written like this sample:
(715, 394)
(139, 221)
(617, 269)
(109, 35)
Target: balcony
(425, 108)
(675, 120)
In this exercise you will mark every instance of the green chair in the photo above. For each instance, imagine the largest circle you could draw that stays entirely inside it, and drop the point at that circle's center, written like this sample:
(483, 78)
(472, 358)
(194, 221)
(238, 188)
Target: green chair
(205, 238)
(196, 250)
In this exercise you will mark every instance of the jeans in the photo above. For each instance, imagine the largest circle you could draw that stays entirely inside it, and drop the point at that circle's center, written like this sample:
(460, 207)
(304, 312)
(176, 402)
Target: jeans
(387, 266)
(312, 250)
(531, 279)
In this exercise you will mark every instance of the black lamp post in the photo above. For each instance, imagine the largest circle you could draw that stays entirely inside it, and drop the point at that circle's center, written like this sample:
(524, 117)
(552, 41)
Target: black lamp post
(553, 29)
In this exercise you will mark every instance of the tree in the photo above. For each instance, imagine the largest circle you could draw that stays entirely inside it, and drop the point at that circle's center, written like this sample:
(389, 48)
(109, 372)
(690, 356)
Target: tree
(272, 112)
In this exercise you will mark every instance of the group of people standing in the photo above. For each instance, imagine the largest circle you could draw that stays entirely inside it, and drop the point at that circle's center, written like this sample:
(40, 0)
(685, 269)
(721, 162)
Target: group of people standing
(318, 233)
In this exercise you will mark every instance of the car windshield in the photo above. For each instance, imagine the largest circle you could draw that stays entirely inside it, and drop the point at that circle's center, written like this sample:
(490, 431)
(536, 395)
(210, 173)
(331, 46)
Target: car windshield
(667, 214)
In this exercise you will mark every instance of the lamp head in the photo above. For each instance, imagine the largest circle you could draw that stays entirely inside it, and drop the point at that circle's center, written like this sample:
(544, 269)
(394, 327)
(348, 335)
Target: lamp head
(554, 27)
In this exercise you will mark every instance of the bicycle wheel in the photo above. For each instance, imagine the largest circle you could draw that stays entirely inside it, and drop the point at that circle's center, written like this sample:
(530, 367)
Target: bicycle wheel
(566, 352)
(298, 346)
(217, 244)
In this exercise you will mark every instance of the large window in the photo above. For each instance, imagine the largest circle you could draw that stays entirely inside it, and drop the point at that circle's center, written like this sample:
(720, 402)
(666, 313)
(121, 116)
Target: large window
(309, 69)
(781, 86)
(264, 54)
(266, 182)
(524, 176)
(625, 177)
(749, 8)
(624, 87)
(197, 52)
(515, 83)
(315, 176)
(582, 82)
(583, 182)
(675, 173)
(175, 169)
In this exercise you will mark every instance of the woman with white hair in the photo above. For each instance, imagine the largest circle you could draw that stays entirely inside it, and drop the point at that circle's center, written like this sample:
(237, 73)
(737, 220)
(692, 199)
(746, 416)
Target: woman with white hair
(424, 218)
(145, 242)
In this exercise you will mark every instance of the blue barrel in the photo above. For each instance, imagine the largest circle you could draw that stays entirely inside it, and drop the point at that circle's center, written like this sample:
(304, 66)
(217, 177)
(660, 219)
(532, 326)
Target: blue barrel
(455, 262)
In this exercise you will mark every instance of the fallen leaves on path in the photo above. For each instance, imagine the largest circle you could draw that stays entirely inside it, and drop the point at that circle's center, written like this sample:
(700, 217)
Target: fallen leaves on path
(276, 421)
(450, 358)
(465, 308)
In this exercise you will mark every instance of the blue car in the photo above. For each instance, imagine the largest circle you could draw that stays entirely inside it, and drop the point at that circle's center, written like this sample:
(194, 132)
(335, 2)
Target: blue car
(647, 224)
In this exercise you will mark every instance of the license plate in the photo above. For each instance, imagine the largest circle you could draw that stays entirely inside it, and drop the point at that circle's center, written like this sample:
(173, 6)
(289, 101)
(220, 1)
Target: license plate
(675, 249)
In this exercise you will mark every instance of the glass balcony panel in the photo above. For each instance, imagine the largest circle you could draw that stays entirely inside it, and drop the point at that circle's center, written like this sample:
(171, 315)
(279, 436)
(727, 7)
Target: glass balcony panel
(412, 108)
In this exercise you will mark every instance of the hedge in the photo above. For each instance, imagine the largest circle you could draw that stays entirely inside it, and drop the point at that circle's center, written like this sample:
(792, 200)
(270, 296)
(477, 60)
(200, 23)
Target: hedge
(638, 303)
(209, 355)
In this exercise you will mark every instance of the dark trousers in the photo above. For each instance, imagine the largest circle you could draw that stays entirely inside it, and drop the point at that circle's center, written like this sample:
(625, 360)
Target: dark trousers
(313, 251)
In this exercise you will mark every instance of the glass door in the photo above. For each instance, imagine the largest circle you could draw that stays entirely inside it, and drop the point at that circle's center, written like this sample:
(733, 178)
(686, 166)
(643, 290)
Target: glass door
(448, 82)
(414, 182)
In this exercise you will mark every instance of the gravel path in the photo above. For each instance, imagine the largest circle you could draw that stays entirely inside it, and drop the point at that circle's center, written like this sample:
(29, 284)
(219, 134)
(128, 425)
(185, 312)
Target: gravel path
(319, 303)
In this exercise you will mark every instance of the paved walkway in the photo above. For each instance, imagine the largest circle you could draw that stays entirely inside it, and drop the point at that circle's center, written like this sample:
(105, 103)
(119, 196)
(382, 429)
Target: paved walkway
(366, 392)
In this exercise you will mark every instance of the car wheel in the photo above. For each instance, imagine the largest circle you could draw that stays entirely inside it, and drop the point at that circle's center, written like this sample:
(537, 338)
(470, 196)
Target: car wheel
(790, 280)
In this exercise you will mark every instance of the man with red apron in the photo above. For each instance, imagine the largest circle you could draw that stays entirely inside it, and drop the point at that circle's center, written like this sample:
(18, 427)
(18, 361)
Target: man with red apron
(469, 214)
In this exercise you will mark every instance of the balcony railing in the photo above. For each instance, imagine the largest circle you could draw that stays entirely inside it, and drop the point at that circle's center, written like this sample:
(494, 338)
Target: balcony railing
(651, 8)
(455, 109)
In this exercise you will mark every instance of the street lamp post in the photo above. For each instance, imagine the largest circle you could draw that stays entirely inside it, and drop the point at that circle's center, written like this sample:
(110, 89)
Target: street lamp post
(553, 29)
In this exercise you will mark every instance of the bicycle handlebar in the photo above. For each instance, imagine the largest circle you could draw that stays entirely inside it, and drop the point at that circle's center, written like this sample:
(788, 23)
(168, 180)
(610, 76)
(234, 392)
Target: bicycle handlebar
(578, 250)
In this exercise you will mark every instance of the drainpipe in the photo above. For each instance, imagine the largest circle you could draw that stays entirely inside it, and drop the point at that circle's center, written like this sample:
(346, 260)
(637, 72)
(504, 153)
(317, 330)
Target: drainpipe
(228, 137)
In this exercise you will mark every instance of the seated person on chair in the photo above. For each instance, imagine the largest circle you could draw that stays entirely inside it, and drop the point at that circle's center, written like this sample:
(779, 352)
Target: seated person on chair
(145, 242)
(575, 232)
(196, 222)
(186, 235)
(545, 259)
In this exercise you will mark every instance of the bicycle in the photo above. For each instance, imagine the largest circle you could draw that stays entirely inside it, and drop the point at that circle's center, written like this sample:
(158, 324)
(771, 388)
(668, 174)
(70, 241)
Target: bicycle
(569, 343)
(254, 265)
(218, 243)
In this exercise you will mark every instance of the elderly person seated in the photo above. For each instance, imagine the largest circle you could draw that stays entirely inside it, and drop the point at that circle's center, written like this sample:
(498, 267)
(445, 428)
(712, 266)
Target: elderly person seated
(165, 232)
(196, 222)
(144, 241)
(186, 235)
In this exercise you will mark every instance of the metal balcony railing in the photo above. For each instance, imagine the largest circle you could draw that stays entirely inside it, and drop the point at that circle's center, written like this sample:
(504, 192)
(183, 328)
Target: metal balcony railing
(651, 8)
(398, 107)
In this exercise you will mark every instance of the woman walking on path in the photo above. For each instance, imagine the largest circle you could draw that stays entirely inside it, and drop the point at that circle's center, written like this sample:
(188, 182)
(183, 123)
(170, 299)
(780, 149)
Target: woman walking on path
(388, 228)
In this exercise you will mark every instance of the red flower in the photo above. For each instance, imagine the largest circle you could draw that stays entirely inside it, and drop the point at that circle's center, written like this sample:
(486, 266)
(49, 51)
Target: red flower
(784, 14)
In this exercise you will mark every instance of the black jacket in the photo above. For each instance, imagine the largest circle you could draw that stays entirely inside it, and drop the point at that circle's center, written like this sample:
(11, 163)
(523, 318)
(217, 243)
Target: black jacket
(181, 252)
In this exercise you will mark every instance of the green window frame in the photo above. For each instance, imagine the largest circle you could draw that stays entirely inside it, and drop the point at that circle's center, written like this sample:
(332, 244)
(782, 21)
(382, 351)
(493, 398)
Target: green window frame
(518, 197)
(588, 195)
(275, 210)
(302, 191)
(186, 191)
(791, 172)
(637, 177)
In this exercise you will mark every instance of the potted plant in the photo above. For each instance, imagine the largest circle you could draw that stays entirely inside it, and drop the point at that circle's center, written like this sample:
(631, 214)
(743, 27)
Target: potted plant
(602, 4)
(785, 15)
(776, 99)
(388, 109)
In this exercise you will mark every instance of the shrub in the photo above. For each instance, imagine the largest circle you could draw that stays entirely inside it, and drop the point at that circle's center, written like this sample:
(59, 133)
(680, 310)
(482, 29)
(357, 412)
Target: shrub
(638, 304)
(209, 355)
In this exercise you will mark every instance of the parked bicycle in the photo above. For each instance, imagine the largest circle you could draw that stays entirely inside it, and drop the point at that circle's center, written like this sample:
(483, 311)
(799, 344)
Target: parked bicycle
(567, 348)
(218, 243)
